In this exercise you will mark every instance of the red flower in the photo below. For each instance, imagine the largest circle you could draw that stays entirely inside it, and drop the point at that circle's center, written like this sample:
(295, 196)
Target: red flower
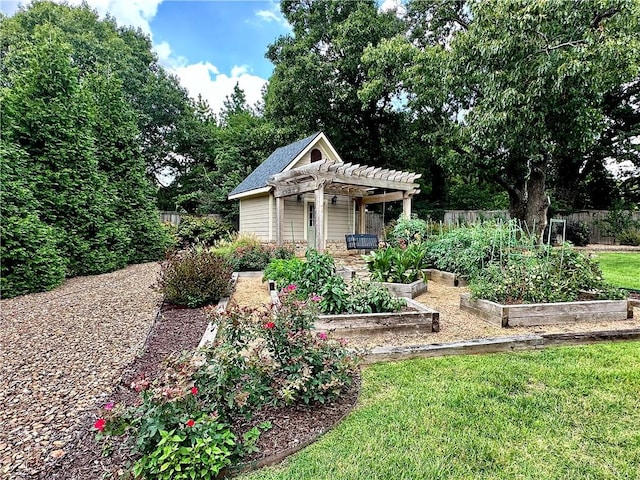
(269, 325)
(190, 423)
(194, 390)
(99, 425)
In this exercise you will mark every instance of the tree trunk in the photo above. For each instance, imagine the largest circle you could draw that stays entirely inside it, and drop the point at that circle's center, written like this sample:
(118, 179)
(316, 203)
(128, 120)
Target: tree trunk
(530, 203)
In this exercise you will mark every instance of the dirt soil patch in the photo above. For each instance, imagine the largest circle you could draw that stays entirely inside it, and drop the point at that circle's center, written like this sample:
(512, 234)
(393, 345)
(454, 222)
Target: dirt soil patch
(251, 292)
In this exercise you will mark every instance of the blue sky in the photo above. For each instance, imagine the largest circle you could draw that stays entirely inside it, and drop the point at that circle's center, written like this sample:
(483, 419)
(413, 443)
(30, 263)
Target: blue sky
(210, 45)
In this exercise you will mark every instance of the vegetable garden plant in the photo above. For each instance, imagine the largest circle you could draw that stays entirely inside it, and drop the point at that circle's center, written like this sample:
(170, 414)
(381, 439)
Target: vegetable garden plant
(501, 262)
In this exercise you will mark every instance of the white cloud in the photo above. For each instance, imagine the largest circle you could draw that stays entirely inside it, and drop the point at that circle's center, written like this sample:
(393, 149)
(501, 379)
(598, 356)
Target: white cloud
(137, 13)
(205, 79)
(393, 5)
(273, 14)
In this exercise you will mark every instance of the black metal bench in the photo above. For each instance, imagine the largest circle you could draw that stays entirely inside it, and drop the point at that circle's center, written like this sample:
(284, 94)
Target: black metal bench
(361, 241)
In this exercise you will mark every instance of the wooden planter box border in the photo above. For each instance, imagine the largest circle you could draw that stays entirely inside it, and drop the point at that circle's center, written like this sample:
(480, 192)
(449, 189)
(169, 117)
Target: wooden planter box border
(409, 290)
(547, 313)
(420, 319)
(445, 278)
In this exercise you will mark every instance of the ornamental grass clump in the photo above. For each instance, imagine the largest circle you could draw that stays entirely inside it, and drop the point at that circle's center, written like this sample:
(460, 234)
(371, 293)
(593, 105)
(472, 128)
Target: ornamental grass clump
(194, 277)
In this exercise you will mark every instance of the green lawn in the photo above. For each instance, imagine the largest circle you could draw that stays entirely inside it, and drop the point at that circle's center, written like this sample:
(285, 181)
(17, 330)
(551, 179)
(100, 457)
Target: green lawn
(562, 413)
(621, 269)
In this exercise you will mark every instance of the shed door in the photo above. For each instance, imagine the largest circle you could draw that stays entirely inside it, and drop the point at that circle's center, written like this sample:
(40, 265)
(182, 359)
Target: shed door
(311, 224)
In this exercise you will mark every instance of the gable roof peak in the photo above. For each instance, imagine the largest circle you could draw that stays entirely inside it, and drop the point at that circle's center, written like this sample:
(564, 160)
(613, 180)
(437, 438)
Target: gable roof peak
(277, 162)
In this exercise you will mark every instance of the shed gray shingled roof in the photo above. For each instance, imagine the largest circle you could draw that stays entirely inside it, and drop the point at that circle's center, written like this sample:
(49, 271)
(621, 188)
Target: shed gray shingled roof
(275, 163)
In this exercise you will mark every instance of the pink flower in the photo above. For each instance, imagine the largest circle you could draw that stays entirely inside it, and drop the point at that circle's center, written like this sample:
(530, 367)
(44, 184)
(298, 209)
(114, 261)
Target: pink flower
(140, 384)
(322, 336)
(291, 288)
(315, 298)
(99, 425)
(109, 406)
(194, 390)
(190, 423)
(269, 325)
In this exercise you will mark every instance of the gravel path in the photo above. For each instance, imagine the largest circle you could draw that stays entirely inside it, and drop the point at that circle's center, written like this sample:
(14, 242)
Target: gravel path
(60, 354)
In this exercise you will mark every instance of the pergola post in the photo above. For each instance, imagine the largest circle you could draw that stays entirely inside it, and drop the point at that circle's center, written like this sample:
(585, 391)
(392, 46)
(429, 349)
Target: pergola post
(319, 214)
(362, 218)
(279, 220)
(406, 206)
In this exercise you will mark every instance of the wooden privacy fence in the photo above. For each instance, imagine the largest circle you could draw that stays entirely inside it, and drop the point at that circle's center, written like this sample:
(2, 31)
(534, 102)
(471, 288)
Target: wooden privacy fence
(175, 217)
(589, 217)
(170, 217)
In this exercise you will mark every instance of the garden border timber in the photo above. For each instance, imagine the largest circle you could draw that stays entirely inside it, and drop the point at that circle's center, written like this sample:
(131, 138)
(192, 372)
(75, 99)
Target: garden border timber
(497, 345)
(210, 333)
(420, 319)
(547, 313)
(445, 278)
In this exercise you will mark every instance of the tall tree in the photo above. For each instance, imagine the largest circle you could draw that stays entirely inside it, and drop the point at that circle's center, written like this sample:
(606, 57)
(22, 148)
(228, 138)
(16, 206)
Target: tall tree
(524, 87)
(161, 106)
(319, 70)
(46, 116)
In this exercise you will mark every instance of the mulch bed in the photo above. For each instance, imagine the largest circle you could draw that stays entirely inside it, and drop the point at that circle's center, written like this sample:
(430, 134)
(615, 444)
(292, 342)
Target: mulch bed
(178, 329)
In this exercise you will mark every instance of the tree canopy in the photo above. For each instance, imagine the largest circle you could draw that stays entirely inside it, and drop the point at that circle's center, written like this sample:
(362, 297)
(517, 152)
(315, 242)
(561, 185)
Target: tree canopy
(71, 151)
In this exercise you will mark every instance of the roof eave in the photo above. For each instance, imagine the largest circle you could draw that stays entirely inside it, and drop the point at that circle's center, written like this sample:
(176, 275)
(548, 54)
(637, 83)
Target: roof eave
(250, 193)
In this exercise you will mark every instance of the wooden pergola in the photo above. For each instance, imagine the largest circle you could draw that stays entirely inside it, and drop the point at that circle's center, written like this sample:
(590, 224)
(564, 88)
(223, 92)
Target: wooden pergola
(359, 182)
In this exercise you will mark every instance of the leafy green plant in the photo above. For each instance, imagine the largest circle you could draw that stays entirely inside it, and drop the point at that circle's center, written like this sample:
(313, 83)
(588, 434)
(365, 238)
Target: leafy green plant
(396, 264)
(246, 252)
(194, 277)
(317, 278)
(367, 297)
(198, 450)
(578, 233)
(544, 275)
(283, 271)
(201, 230)
(629, 237)
(407, 231)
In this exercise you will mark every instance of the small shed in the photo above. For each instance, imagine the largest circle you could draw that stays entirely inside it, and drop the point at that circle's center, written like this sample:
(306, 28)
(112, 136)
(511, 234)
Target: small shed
(305, 191)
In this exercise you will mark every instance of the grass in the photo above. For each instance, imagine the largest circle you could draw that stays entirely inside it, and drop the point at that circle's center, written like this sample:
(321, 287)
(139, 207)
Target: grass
(571, 412)
(621, 269)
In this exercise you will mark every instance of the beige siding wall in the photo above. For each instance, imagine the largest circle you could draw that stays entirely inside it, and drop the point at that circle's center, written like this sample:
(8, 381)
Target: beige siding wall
(254, 216)
(339, 218)
(293, 220)
(320, 145)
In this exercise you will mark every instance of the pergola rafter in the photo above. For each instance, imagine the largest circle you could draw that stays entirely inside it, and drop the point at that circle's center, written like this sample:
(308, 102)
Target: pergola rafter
(338, 178)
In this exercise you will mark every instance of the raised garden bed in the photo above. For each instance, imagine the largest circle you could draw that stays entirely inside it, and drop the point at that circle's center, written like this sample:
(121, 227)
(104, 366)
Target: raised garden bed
(547, 313)
(445, 278)
(409, 290)
(416, 317)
